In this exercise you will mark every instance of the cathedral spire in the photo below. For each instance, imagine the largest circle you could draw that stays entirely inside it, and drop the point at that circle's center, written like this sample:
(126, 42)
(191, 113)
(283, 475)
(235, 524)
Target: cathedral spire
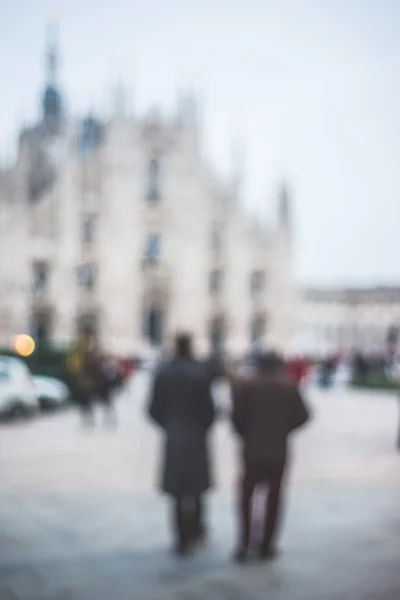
(188, 109)
(284, 206)
(52, 104)
(120, 100)
(52, 50)
(238, 164)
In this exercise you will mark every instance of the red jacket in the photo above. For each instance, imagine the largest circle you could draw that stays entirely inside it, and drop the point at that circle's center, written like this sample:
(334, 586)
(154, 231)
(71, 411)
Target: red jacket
(297, 370)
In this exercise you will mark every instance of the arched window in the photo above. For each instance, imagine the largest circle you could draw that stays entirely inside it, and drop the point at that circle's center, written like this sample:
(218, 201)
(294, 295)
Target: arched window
(86, 274)
(152, 249)
(153, 180)
(88, 230)
(216, 238)
(87, 323)
(257, 329)
(257, 282)
(41, 326)
(154, 325)
(40, 276)
(216, 278)
(154, 315)
(217, 332)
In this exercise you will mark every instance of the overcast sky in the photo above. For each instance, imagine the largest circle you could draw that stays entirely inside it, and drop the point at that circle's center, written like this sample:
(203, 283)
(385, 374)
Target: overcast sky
(312, 87)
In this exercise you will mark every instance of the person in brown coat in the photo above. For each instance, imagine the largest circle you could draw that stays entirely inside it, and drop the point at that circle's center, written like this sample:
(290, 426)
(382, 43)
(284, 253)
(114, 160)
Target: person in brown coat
(266, 409)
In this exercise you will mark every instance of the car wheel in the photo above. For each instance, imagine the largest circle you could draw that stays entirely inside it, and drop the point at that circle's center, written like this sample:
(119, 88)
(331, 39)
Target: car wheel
(46, 404)
(19, 410)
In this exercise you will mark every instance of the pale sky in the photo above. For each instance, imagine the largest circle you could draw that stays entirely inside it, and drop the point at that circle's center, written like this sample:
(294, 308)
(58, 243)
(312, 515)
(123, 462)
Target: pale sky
(311, 87)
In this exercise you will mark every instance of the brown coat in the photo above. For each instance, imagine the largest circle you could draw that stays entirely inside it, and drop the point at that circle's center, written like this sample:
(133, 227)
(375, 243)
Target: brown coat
(265, 411)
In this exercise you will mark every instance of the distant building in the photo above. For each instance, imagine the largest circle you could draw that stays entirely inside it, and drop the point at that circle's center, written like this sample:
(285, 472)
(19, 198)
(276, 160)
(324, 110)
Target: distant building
(349, 319)
(122, 226)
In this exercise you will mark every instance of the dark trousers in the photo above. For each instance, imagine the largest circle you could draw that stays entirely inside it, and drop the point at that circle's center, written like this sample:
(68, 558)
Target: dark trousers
(188, 519)
(87, 402)
(254, 476)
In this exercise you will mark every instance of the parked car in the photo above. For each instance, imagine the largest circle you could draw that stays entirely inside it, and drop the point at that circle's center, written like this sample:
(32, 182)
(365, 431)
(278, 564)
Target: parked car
(51, 392)
(17, 391)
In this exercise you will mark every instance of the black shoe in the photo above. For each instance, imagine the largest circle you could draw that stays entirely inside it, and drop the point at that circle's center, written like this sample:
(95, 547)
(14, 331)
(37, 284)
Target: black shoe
(201, 536)
(240, 555)
(268, 553)
(181, 549)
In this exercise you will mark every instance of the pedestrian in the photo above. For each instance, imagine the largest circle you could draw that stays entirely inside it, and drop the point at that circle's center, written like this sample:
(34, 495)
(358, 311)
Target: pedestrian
(80, 382)
(181, 404)
(107, 383)
(267, 407)
(88, 377)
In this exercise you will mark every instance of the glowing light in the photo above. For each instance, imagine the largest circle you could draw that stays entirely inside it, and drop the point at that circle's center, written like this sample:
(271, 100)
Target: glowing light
(24, 345)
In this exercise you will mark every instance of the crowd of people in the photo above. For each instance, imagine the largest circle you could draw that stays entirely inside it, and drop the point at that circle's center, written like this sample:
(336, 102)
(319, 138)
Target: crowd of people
(93, 378)
(266, 406)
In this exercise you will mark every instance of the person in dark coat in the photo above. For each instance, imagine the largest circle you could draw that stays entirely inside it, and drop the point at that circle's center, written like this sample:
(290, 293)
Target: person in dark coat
(267, 407)
(182, 405)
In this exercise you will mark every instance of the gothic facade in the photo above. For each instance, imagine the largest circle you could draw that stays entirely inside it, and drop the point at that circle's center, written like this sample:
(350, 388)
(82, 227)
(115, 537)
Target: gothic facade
(124, 227)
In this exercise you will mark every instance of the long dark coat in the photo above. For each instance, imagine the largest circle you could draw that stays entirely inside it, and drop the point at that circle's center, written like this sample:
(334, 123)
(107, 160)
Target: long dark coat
(182, 405)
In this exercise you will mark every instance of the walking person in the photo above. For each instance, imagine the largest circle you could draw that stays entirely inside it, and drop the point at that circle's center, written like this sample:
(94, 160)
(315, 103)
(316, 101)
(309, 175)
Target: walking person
(181, 404)
(80, 380)
(266, 409)
(88, 378)
(107, 383)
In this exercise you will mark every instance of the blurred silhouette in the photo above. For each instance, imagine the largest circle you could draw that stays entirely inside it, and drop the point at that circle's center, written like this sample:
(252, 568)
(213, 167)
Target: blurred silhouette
(91, 378)
(182, 405)
(327, 374)
(298, 369)
(106, 381)
(267, 407)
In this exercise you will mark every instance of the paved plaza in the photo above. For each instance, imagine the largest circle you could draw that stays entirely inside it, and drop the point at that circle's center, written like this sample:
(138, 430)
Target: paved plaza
(80, 520)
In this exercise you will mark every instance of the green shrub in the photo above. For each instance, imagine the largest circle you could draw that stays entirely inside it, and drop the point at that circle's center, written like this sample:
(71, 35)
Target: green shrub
(47, 361)
(377, 382)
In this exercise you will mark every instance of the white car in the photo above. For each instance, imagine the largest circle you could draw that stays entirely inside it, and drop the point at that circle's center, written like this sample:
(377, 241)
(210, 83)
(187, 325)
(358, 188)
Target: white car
(51, 392)
(18, 395)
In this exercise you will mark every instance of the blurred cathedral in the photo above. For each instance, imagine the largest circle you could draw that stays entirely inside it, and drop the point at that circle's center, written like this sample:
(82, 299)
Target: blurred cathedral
(121, 226)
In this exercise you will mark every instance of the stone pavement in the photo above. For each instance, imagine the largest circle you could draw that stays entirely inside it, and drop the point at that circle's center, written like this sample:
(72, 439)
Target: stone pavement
(79, 519)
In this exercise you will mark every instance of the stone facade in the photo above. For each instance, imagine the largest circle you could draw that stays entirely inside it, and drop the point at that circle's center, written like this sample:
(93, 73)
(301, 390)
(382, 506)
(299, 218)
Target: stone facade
(349, 319)
(123, 225)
